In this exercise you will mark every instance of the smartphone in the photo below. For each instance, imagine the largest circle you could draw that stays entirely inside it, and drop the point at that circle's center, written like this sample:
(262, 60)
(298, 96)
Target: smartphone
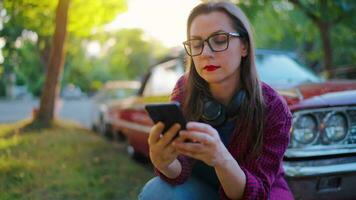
(167, 113)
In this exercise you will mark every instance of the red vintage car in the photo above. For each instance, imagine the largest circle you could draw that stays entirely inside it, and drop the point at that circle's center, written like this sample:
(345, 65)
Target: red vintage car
(320, 162)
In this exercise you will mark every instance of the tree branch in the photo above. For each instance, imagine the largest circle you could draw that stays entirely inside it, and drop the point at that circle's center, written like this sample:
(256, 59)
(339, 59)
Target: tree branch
(310, 14)
(342, 16)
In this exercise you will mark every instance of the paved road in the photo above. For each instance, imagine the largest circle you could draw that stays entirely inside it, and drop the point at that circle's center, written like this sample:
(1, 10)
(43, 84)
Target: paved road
(76, 110)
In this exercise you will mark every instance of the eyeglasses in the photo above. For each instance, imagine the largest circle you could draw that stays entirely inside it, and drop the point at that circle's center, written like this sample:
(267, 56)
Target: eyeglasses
(216, 42)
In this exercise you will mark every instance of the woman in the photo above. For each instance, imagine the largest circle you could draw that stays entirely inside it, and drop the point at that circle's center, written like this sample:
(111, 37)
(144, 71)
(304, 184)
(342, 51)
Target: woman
(233, 146)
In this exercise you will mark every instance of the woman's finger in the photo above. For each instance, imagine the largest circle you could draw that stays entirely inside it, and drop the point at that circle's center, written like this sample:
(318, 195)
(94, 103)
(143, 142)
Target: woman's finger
(192, 154)
(169, 135)
(197, 137)
(189, 147)
(201, 127)
(155, 133)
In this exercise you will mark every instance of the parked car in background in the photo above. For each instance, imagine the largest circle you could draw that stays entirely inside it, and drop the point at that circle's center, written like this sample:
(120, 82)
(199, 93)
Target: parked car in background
(72, 92)
(320, 162)
(344, 72)
(21, 92)
(111, 94)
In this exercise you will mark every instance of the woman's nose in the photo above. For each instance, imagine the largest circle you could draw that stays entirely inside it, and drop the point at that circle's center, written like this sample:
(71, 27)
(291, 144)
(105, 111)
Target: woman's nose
(207, 51)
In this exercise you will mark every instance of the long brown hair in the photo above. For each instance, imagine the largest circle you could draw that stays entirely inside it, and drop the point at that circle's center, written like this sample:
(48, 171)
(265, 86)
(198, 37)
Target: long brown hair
(251, 113)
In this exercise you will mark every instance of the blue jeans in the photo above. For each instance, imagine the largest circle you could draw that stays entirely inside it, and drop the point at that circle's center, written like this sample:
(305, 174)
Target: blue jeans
(192, 189)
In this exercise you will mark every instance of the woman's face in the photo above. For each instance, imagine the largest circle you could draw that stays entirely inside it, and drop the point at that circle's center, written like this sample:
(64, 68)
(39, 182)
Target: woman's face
(217, 67)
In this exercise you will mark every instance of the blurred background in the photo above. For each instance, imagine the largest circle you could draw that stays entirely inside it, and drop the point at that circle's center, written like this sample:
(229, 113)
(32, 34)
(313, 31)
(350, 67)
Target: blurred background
(97, 62)
(119, 40)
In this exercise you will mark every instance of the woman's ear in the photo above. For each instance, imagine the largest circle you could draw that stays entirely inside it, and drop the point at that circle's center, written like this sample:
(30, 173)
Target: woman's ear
(244, 49)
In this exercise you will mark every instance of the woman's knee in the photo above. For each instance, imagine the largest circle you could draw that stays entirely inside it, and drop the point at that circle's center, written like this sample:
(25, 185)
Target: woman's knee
(155, 188)
(192, 189)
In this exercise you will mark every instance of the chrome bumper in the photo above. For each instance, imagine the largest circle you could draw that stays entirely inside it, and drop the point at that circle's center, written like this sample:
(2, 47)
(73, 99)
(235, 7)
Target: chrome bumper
(297, 170)
(321, 178)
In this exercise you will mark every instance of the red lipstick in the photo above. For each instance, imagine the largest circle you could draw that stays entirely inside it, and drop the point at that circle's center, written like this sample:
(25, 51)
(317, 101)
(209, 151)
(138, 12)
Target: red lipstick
(211, 68)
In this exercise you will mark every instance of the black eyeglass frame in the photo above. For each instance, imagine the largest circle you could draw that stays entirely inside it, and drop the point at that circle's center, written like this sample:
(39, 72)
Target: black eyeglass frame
(228, 34)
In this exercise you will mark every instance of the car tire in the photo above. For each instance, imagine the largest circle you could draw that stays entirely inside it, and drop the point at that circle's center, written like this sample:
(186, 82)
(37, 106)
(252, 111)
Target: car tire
(136, 155)
(105, 129)
(102, 126)
(107, 132)
(120, 137)
(94, 128)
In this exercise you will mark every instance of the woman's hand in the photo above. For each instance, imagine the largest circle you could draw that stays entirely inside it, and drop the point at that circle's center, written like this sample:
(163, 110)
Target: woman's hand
(204, 144)
(162, 153)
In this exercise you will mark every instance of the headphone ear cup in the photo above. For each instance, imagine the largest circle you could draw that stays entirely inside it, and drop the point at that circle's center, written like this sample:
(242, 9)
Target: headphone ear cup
(213, 113)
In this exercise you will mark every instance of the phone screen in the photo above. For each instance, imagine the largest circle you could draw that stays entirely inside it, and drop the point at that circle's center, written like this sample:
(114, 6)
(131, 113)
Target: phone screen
(168, 113)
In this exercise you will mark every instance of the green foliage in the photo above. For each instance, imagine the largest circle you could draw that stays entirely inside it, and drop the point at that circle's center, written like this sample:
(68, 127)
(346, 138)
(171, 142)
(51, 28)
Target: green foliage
(77, 66)
(67, 163)
(39, 16)
(279, 24)
(35, 15)
(2, 87)
(124, 54)
(344, 43)
(10, 32)
(84, 15)
(29, 71)
(131, 55)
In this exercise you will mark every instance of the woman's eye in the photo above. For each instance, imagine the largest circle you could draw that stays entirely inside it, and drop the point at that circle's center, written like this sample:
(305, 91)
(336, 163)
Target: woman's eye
(196, 44)
(219, 39)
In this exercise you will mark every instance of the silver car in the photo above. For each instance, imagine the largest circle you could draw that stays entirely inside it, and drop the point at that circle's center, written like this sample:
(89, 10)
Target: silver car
(110, 95)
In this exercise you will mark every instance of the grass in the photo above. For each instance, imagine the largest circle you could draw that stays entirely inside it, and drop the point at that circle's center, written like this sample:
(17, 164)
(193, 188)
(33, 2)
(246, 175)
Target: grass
(65, 162)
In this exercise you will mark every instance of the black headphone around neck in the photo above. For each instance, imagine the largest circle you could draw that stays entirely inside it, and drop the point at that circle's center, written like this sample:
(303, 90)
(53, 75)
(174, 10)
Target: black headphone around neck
(216, 114)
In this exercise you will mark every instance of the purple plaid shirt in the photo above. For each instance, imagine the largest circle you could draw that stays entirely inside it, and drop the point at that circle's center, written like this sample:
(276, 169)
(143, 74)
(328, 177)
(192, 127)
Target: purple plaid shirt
(265, 175)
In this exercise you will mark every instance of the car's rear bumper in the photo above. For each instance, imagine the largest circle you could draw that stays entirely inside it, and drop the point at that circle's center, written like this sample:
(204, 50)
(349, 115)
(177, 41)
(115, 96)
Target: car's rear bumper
(322, 179)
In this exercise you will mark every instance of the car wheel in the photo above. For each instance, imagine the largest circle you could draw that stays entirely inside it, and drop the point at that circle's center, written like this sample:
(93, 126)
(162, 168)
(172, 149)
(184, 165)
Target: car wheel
(107, 132)
(136, 155)
(105, 129)
(102, 127)
(94, 128)
(120, 136)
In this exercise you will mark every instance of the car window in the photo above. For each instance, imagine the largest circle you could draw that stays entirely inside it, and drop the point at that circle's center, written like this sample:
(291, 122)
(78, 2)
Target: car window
(163, 78)
(281, 69)
(98, 96)
(120, 93)
(114, 93)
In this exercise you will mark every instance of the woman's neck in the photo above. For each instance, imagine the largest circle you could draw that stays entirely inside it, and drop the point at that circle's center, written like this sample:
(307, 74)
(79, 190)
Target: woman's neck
(224, 91)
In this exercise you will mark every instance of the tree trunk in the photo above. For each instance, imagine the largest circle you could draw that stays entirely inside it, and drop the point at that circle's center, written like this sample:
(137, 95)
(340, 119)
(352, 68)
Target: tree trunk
(50, 90)
(44, 49)
(324, 25)
(324, 29)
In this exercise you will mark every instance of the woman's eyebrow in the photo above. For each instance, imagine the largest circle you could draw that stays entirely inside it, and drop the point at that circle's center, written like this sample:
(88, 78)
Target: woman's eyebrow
(218, 31)
(215, 32)
(195, 37)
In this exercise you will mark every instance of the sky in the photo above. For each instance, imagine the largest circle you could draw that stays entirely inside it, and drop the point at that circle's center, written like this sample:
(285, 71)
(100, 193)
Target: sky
(164, 20)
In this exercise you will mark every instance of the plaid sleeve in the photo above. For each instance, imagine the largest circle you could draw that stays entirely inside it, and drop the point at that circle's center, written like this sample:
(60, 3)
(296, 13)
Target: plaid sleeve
(178, 91)
(262, 172)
